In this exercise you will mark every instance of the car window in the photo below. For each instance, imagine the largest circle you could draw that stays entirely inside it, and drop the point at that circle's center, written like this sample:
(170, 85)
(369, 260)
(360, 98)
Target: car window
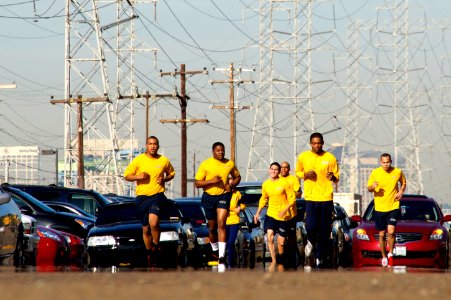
(84, 202)
(250, 195)
(194, 212)
(21, 203)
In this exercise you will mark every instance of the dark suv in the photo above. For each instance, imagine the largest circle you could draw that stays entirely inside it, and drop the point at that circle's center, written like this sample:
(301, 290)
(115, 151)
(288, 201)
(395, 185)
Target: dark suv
(87, 200)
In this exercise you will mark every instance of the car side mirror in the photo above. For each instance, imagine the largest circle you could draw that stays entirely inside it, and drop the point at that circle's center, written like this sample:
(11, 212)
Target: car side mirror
(447, 218)
(339, 216)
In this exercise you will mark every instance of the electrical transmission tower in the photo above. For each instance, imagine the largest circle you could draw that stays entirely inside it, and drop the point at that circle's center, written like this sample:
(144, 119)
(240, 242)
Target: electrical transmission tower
(107, 106)
(395, 36)
(282, 37)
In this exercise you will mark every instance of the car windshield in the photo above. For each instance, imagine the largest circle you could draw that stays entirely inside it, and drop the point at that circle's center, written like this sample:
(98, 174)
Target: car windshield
(127, 211)
(250, 194)
(194, 211)
(411, 210)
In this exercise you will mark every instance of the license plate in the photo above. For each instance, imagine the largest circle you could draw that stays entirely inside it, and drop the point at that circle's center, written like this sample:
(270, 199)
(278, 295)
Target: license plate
(400, 251)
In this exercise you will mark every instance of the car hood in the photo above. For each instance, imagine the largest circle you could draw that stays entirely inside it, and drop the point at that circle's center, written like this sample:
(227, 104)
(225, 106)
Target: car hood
(120, 228)
(405, 226)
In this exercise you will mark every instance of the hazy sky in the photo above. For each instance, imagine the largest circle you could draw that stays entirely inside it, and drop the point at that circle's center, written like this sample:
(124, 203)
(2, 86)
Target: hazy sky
(200, 33)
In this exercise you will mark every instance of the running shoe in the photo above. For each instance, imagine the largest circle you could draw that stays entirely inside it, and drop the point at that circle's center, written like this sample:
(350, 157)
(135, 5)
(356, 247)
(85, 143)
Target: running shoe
(221, 264)
(384, 262)
(390, 259)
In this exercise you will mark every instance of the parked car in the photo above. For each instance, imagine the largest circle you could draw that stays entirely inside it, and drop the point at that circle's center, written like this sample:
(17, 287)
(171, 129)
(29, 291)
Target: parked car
(53, 249)
(422, 235)
(342, 229)
(116, 238)
(191, 208)
(68, 208)
(11, 231)
(87, 200)
(30, 240)
(47, 216)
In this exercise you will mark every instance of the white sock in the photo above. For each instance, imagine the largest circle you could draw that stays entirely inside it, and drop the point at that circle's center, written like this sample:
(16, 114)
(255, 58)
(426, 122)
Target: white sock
(214, 246)
(222, 247)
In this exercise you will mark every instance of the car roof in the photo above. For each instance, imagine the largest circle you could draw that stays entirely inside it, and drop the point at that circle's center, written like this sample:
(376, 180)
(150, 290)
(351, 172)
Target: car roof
(250, 183)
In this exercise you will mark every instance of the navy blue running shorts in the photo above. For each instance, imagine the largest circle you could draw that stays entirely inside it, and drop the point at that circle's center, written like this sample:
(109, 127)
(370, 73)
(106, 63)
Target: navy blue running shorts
(213, 202)
(149, 205)
(383, 219)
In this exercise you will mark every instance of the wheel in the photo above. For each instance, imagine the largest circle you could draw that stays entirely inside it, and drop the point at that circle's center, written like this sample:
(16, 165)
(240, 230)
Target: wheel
(19, 258)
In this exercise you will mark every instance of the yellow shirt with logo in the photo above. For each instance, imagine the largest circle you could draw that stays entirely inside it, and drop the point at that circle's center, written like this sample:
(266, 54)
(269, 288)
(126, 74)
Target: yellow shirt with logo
(278, 195)
(233, 217)
(155, 167)
(384, 194)
(212, 167)
(320, 189)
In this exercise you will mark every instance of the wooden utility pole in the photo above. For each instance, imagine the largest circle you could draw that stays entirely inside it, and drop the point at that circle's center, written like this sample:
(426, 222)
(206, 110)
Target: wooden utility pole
(183, 101)
(80, 100)
(232, 107)
(147, 96)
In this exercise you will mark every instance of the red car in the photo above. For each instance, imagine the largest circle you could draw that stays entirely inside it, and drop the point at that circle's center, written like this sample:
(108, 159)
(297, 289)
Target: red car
(422, 236)
(58, 248)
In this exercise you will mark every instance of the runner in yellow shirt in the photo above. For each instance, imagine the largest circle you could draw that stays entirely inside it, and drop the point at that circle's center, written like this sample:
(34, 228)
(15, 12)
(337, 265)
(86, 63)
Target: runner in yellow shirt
(233, 223)
(212, 176)
(280, 197)
(150, 170)
(388, 185)
(319, 169)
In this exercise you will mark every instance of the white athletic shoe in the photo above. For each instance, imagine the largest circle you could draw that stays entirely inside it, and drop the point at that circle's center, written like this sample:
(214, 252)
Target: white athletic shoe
(308, 249)
(384, 262)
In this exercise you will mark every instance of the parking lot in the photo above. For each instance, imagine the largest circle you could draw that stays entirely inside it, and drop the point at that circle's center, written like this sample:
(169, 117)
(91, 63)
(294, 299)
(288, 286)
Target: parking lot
(377, 283)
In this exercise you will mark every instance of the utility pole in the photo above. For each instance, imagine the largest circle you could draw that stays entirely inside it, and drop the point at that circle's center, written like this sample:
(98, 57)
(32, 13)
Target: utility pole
(183, 101)
(147, 96)
(232, 107)
(80, 100)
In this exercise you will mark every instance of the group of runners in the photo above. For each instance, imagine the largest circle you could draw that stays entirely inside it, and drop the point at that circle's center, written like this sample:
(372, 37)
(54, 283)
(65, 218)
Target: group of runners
(219, 176)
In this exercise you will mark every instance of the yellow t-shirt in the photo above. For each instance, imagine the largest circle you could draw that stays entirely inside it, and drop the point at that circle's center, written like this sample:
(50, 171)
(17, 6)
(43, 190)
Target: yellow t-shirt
(278, 195)
(155, 167)
(212, 167)
(320, 189)
(233, 217)
(384, 194)
(296, 186)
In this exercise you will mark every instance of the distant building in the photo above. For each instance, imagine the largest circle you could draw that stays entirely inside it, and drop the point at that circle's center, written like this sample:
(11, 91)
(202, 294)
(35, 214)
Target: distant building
(28, 165)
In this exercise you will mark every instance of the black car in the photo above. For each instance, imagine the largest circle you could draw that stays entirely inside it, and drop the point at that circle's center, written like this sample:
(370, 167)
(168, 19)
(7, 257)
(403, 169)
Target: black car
(116, 239)
(48, 217)
(11, 230)
(249, 241)
(192, 209)
(87, 200)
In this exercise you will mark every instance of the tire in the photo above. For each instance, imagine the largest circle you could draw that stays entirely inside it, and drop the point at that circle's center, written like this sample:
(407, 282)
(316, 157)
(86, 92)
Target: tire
(19, 258)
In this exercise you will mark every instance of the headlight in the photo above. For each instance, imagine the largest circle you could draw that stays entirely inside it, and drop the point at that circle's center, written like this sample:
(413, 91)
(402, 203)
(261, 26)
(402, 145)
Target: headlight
(84, 224)
(49, 234)
(107, 240)
(203, 240)
(437, 234)
(169, 236)
(362, 235)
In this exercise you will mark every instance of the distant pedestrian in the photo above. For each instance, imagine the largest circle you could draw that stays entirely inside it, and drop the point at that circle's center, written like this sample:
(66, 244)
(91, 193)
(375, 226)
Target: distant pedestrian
(280, 197)
(388, 185)
(233, 223)
(151, 171)
(212, 176)
(319, 169)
